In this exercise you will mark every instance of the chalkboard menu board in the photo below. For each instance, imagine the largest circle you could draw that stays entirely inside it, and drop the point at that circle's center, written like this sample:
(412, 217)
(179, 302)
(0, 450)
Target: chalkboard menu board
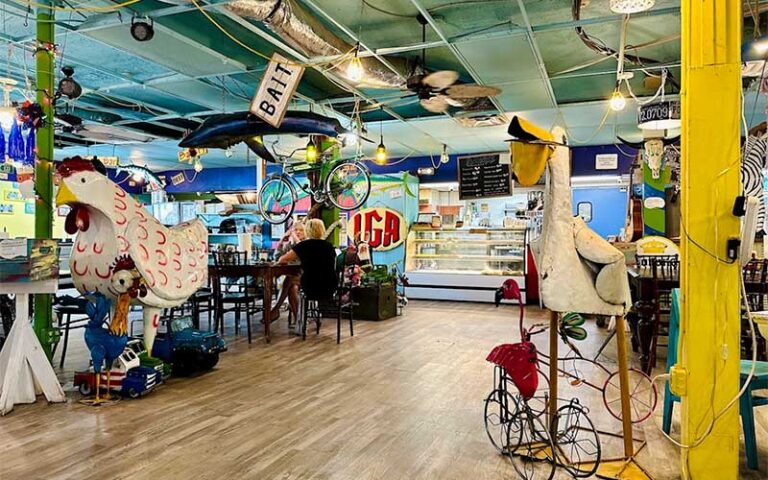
(483, 176)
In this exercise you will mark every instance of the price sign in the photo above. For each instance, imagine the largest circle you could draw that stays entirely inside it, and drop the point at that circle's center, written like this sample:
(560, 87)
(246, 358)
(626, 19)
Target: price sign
(482, 176)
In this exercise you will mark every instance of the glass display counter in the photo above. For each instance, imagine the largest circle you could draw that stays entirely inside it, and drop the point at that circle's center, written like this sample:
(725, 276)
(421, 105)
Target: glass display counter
(464, 264)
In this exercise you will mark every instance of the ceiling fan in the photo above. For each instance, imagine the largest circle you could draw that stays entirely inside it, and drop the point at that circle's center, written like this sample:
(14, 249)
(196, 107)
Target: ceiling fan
(438, 91)
(96, 132)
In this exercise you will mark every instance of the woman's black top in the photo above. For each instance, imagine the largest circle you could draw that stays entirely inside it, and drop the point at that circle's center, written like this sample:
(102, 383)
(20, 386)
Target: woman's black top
(318, 262)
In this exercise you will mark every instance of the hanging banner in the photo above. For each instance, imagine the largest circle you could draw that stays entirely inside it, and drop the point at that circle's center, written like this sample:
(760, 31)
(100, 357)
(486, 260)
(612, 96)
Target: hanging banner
(276, 90)
(383, 228)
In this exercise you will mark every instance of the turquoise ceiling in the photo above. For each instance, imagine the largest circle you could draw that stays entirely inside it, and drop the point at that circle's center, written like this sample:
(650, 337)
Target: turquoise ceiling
(191, 69)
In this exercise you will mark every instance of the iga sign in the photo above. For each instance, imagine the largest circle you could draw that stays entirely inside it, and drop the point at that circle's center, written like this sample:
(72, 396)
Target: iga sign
(382, 228)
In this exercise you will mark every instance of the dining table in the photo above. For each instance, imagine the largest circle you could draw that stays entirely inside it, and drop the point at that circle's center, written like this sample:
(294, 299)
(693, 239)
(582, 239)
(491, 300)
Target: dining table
(267, 271)
(645, 284)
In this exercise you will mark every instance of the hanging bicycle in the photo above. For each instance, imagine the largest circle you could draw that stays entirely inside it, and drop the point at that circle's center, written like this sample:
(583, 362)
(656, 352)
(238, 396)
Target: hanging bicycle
(344, 184)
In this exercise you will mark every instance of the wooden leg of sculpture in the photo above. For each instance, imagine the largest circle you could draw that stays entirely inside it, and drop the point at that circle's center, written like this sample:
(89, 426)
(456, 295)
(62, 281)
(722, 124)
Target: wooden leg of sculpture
(625, 468)
(626, 409)
(553, 373)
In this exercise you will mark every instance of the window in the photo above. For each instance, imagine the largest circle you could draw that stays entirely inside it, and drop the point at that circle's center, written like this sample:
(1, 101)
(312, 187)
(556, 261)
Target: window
(584, 210)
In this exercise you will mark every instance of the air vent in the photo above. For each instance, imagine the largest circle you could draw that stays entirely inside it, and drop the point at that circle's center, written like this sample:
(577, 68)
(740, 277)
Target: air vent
(482, 120)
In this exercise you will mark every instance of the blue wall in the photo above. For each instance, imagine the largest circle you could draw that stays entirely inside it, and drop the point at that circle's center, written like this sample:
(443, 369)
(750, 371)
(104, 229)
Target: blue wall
(228, 179)
(582, 161)
(609, 208)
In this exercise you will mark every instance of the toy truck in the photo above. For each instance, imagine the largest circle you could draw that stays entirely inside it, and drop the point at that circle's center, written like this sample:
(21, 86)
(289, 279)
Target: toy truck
(186, 349)
(162, 368)
(127, 377)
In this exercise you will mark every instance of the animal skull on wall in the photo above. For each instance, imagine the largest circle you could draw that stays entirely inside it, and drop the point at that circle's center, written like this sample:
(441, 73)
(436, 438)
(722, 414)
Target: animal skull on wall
(653, 155)
(653, 152)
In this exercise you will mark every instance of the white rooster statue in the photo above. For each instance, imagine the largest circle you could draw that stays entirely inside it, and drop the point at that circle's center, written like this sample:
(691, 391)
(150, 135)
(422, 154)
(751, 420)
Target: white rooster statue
(110, 224)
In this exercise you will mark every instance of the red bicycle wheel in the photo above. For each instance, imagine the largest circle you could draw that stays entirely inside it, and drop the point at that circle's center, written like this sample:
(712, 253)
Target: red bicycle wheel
(642, 396)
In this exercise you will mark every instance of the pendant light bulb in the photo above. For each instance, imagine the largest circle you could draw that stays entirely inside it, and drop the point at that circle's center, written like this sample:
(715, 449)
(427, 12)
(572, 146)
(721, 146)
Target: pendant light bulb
(381, 154)
(617, 101)
(444, 158)
(311, 151)
(198, 166)
(355, 69)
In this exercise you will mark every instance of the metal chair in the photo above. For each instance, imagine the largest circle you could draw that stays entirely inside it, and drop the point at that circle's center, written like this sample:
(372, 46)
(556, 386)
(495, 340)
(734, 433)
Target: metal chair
(747, 402)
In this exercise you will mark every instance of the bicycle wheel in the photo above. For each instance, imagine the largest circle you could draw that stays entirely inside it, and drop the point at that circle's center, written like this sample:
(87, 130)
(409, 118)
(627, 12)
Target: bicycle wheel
(348, 185)
(500, 410)
(277, 199)
(576, 439)
(532, 453)
(642, 395)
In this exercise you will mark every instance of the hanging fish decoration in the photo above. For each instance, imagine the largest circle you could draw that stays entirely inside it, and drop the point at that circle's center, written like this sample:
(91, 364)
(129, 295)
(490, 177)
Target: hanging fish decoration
(29, 149)
(146, 175)
(16, 143)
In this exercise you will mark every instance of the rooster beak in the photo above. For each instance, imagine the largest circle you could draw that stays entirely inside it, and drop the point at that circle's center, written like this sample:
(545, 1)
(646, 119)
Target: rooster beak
(65, 195)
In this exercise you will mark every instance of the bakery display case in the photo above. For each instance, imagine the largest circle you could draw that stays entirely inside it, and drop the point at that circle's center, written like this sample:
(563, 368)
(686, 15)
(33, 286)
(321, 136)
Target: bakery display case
(466, 263)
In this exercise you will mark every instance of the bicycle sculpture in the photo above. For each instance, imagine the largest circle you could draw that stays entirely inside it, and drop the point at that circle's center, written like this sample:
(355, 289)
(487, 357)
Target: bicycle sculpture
(643, 394)
(344, 184)
(515, 427)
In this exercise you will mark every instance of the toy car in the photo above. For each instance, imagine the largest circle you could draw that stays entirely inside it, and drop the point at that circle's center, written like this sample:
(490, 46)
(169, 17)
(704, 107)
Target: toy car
(188, 350)
(162, 368)
(126, 376)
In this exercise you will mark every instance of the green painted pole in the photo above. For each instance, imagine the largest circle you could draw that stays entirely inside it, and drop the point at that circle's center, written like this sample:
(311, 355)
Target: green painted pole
(44, 165)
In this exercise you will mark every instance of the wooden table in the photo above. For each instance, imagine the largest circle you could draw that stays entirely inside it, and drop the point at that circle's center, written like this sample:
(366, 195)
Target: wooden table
(644, 287)
(268, 272)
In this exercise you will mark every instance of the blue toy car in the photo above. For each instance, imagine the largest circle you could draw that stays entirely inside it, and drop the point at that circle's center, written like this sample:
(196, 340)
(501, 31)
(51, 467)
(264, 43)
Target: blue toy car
(186, 349)
(138, 381)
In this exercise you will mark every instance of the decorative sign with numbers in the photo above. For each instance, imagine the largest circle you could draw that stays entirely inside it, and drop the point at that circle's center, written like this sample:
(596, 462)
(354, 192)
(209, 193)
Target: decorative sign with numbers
(276, 89)
(482, 176)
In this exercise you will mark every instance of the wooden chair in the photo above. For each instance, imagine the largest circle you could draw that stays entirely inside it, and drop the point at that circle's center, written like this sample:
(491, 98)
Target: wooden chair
(661, 267)
(755, 275)
(234, 294)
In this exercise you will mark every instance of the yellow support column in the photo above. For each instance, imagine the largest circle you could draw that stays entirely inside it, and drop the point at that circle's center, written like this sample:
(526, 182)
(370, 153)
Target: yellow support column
(711, 115)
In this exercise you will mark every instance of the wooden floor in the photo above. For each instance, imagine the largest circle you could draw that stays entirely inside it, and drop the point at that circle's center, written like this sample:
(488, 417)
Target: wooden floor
(403, 399)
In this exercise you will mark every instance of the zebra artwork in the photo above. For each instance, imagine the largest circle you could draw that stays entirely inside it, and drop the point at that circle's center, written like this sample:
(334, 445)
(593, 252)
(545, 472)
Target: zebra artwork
(752, 176)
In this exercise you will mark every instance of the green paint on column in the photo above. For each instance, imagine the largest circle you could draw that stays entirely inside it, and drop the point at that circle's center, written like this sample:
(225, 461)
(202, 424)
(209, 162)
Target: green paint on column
(44, 165)
(330, 215)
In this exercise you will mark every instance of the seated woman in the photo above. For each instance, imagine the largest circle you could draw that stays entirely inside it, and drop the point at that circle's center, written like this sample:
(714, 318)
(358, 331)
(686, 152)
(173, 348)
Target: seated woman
(318, 264)
(293, 236)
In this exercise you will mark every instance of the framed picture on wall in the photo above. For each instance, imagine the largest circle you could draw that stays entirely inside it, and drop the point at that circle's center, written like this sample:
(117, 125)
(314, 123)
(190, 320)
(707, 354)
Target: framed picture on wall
(12, 196)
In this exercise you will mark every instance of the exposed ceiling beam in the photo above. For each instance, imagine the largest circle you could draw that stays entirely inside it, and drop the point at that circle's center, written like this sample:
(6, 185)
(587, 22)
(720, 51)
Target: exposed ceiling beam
(354, 38)
(537, 55)
(510, 30)
(329, 75)
(464, 63)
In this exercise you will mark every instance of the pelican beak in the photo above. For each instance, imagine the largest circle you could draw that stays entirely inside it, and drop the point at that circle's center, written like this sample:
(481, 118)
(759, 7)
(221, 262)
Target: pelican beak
(65, 196)
(528, 159)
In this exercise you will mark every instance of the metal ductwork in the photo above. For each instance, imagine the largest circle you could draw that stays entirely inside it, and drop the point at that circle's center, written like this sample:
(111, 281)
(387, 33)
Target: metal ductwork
(302, 31)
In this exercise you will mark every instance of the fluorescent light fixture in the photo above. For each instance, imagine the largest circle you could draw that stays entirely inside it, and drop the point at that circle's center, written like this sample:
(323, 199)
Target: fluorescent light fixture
(626, 7)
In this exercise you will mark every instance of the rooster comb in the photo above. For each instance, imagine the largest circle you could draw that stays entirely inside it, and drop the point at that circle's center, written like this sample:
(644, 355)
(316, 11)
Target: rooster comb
(71, 165)
(124, 262)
